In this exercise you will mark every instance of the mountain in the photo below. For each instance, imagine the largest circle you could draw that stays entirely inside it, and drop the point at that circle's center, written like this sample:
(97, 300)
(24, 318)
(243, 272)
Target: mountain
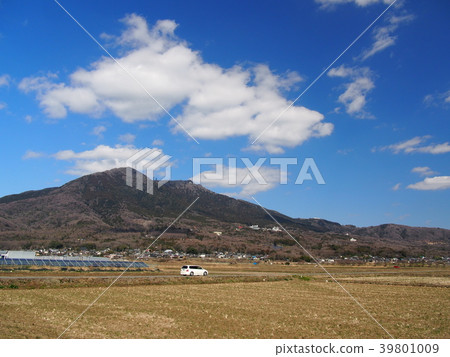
(100, 210)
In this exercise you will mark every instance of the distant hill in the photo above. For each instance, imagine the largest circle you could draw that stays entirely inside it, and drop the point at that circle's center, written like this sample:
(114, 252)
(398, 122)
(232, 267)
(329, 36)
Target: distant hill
(100, 210)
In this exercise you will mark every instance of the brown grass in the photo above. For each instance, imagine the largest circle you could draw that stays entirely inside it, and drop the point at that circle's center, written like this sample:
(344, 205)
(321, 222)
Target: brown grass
(292, 308)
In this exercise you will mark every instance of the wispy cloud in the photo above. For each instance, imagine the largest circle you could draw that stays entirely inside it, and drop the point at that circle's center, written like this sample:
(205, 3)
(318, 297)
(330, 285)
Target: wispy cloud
(330, 4)
(29, 154)
(396, 187)
(354, 98)
(383, 36)
(432, 184)
(437, 99)
(157, 142)
(4, 80)
(127, 138)
(101, 158)
(403, 216)
(98, 131)
(423, 171)
(415, 145)
(345, 151)
(243, 184)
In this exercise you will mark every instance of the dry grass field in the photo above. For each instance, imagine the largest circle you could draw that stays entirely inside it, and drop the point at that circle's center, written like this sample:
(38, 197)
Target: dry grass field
(409, 303)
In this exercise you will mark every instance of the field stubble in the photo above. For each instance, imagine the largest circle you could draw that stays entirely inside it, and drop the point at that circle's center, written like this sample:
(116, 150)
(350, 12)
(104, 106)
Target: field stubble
(288, 308)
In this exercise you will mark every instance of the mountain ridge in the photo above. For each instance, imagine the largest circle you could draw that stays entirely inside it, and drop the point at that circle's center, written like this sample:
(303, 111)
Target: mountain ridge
(100, 208)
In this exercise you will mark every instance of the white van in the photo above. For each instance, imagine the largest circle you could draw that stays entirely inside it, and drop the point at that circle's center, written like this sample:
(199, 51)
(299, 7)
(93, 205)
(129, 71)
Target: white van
(193, 270)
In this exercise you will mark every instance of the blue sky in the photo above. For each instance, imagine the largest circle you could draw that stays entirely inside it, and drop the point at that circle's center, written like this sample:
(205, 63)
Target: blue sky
(376, 122)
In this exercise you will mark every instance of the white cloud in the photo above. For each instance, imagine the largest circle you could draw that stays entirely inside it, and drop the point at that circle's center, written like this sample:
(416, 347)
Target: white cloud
(101, 158)
(406, 146)
(354, 96)
(414, 145)
(55, 98)
(342, 72)
(435, 149)
(32, 155)
(241, 180)
(326, 4)
(128, 138)
(403, 216)
(215, 102)
(384, 37)
(428, 99)
(437, 99)
(345, 151)
(4, 80)
(98, 130)
(157, 142)
(2, 105)
(423, 171)
(432, 183)
(28, 118)
(396, 187)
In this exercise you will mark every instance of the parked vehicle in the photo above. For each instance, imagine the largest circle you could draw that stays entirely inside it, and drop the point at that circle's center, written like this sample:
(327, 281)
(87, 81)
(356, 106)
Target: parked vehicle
(193, 270)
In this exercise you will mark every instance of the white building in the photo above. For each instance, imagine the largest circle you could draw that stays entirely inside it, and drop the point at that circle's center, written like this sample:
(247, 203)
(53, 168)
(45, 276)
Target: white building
(19, 254)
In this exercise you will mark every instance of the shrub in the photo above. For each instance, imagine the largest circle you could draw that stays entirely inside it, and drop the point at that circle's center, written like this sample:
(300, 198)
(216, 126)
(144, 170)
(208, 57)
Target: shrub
(191, 250)
(55, 245)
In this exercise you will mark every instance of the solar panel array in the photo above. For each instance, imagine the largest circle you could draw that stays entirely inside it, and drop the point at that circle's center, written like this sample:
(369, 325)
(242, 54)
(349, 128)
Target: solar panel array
(73, 263)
